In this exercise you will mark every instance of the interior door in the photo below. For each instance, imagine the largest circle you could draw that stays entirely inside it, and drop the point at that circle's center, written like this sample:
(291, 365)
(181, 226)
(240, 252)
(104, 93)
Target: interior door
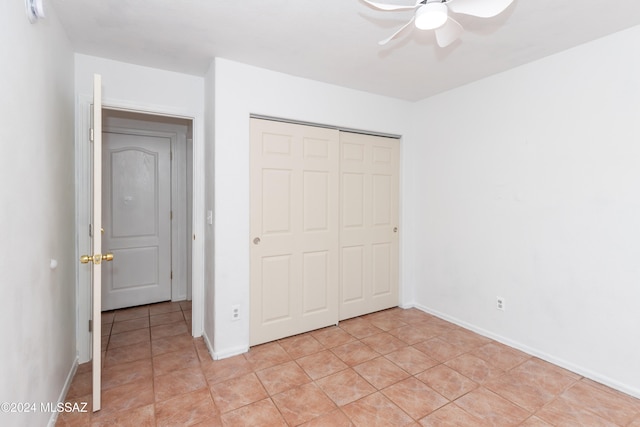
(294, 229)
(368, 223)
(94, 260)
(137, 219)
(96, 276)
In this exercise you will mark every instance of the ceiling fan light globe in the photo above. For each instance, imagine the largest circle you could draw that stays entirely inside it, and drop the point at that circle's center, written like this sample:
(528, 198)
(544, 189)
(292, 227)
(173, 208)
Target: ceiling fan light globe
(431, 16)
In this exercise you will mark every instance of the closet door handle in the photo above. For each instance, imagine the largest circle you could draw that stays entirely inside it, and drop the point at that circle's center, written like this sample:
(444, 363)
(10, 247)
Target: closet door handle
(256, 241)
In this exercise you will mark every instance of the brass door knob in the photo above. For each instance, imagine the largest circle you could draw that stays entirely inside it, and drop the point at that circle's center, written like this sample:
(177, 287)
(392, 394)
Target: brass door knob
(96, 259)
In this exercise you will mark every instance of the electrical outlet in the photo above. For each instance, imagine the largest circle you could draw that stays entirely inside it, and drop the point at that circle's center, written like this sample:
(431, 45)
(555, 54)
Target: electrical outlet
(235, 312)
(500, 303)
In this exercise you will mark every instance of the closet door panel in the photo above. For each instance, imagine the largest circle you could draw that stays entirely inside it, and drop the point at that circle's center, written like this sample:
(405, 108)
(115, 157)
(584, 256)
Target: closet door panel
(294, 229)
(369, 169)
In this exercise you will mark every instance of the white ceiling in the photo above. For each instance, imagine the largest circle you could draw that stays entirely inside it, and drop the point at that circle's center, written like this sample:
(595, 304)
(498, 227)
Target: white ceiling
(334, 41)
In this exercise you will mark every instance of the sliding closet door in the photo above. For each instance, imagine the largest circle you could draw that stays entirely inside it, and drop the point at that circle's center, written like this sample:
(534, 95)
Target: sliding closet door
(294, 229)
(368, 223)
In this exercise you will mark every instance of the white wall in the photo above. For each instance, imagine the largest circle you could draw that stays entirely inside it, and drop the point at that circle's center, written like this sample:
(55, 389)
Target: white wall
(241, 90)
(127, 86)
(527, 186)
(37, 318)
(133, 85)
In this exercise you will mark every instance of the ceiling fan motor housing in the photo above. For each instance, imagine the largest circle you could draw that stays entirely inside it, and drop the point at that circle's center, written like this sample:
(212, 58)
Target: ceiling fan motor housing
(431, 16)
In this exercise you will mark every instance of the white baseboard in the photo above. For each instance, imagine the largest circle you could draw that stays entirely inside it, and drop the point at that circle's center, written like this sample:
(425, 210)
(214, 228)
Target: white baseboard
(207, 342)
(217, 355)
(230, 352)
(595, 376)
(65, 389)
(408, 305)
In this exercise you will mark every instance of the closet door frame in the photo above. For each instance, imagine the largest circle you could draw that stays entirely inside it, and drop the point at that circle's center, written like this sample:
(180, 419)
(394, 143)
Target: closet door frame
(314, 259)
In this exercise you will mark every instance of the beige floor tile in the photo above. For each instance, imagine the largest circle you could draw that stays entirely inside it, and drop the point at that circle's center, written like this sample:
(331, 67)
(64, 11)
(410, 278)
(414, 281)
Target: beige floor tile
(262, 413)
(125, 373)
(606, 405)
(143, 416)
(266, 355)
(439, 349)
(178, 382)
(376, 410)
(175, 360)
(129, 338)
(128, 353)
(380, 372)
(345, 387)
(81, 385)
(446, 381)
(321, 364)
(474, 368)
(411, 360)
(130, 325)
(166, 318)
(335, 418)
(283, 377)
(301, 345)
(394, 367)
(411, 334)
(332, 336)
(488, 406)
(452, 415)
(500, 355)
(303, 404)
(130, 313)
(414, 397)
(170, 344)
(354, 353)
(384, 343)
(359, 328)
(217, 371)
(170, 330)
(164, 307)
(125, 398)
(186, 409)
(562, 412)
(387, 322)
(237, 392)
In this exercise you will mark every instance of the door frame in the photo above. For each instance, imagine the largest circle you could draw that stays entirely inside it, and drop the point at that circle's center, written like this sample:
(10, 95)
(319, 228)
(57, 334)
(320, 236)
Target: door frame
(82, 197)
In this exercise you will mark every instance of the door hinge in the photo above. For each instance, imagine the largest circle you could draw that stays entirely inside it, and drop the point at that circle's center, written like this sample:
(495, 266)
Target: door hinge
(91, 134)
(172, 275)
(90, 325)
(170, 155)
(90, 230)
(171, 215)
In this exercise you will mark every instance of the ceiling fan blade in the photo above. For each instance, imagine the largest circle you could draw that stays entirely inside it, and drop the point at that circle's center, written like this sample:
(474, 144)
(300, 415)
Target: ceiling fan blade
(393, 36)
(480, 8)
(390, 7)
(448, 33)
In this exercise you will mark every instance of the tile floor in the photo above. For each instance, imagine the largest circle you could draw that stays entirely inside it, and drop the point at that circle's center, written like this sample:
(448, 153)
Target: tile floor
(391, 368)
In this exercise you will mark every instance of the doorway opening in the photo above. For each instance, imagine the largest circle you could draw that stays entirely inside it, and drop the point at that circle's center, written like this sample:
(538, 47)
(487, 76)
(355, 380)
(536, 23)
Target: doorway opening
(147, 208)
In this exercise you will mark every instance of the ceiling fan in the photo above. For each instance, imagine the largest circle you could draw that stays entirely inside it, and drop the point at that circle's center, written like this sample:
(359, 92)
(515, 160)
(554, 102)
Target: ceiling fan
(434, 15)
